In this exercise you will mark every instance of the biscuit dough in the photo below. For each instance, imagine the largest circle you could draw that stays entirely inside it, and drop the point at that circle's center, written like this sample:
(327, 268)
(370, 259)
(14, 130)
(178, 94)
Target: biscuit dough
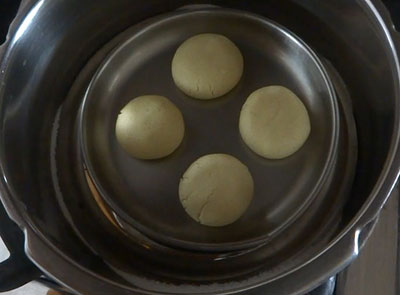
(274, 123)
(150, 127)
(207, 66)
(216, 190)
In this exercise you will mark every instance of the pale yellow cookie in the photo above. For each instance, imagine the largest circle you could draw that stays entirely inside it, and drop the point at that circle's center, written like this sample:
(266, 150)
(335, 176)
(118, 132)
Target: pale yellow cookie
(150, 127)
(207, 66)
(274, 123)
(216, 190)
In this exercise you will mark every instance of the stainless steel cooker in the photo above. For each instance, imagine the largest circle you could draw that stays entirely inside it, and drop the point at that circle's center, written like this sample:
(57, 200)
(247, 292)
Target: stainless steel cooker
(76, 231)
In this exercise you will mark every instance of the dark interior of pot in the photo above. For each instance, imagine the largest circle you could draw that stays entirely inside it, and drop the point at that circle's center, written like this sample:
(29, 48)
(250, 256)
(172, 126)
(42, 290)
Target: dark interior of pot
(56, 41)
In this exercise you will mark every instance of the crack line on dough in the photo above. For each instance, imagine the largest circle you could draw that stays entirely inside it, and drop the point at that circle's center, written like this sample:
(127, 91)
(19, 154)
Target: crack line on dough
(205, 204)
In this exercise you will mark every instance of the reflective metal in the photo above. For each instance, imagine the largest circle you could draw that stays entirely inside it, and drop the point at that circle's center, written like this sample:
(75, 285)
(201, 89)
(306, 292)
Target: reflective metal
(63, 228)
(145, 193)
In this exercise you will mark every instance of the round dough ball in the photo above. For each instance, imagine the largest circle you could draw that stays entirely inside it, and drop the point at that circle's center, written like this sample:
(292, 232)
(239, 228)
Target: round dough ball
(150, 127)
(274, 122)
(207, 66)
(216, 190)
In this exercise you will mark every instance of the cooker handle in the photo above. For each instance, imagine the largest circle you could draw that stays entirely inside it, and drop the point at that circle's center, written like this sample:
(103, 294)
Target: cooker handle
(17, 270)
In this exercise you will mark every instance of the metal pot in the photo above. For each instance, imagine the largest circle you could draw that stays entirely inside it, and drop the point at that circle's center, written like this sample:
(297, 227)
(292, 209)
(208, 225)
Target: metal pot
(53, 50)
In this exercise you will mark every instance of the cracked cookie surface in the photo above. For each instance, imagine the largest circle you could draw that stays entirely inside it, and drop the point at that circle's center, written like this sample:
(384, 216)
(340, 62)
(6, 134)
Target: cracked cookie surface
(207, 66)
(216, 190)
(274, 122)
(150, 127)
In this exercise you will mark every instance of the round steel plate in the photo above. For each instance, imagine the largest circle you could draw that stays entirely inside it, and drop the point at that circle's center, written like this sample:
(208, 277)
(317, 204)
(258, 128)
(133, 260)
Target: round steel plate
(144, 194)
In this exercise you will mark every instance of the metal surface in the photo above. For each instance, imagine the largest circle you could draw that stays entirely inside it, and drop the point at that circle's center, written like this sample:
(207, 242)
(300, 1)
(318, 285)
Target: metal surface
(374, 271)
(145, 193)
(328, 288)
(138, 254)
(49, 50)
(16, 269)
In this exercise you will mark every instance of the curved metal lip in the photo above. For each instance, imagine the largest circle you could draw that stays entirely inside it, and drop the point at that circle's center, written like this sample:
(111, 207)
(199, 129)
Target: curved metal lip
(168, 241)
(388, 178)
(390, 174)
